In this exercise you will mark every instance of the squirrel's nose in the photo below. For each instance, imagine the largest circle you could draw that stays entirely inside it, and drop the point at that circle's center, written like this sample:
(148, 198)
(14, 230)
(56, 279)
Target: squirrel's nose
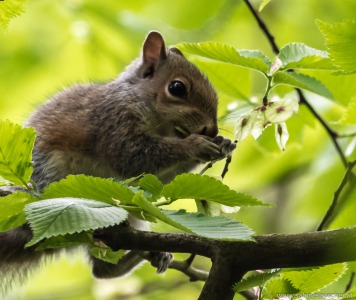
(211, 131)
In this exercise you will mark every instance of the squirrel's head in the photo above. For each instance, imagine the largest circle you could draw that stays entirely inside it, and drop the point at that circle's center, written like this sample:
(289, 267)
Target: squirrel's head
(182, 97)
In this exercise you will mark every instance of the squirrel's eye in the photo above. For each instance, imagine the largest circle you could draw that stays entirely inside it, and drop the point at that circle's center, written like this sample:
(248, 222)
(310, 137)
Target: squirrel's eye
(177, 88)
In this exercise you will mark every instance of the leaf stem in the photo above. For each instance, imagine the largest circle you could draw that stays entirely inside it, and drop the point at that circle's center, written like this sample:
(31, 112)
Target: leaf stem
(268, 89)
(330, 212)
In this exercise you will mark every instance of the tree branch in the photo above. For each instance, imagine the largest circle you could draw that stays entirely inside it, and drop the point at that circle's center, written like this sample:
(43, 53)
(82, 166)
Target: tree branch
(330, 212)
(231, 260)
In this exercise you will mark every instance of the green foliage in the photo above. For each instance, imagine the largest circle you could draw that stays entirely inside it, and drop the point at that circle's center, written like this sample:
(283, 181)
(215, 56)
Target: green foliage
(349, 116)
(263, 4)
(341, 43)
(88, 187)
(278, 287)
(152, 184)
(255, 280)
(12, 212)
(211, 227)
(91, 39)
(292, 281)
(65, 241)
(302, 81)
(11, 9)
(106, 254)
(16, 152)
(199, 187)
(301, 56)
(62, 216)
(312, 280)
(252, 59)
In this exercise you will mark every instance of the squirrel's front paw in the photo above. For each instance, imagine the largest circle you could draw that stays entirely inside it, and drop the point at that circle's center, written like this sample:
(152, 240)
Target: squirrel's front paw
(202, 147)
(226, 145)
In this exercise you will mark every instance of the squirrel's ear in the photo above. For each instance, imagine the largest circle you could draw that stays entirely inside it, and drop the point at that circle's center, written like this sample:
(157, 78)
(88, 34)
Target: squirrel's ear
(153, 51)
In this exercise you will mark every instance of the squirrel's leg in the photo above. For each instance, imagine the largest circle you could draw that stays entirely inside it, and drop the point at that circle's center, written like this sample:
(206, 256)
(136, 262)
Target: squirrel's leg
(129, 262)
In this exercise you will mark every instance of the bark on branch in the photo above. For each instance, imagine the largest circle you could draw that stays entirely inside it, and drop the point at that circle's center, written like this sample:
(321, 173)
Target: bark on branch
(231, 260)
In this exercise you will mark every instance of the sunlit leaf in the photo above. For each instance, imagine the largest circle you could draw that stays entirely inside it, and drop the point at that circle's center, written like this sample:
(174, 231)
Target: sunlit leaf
(62, 216)
(152, 184)
(312, 280)
(252, 59)
(278, 286)
(66, 241)
(302, 81)
(341, 43)
(12, 212)
(301, 56)
(16, 145)
(349, 116)
(255, 280)
(263, 4)
(226, 78)
(211, 227)
(203, 187)
(106, 254)
(9, 9)
(88, 187)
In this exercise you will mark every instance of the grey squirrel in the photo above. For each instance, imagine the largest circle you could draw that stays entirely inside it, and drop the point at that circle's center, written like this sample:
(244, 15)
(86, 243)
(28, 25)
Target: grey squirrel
(159, 116)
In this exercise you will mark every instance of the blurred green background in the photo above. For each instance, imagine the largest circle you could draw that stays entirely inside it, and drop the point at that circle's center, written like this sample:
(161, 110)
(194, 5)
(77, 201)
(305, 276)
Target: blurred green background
(57, 43)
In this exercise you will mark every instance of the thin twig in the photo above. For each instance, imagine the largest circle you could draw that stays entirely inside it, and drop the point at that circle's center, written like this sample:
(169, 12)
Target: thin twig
(333, 135)
(337, 194)
(263, 26)
(226, 167)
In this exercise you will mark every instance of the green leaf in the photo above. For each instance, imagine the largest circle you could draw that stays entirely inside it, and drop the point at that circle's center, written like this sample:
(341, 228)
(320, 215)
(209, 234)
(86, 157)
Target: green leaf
(263, 5)
(88, 187)
(349, 116)
(16, 145)
(340, 39)
(226, 78)
(252, 59)
(203, 187)
(252, 281)
(12, 213)
(147, 206)
(65, 241)
(106, 254)
(276, 287)
(302, 81)
(152, 184)
(301, 56)
(211, 227)
(62, 216)
(312, 280)
(10, 9)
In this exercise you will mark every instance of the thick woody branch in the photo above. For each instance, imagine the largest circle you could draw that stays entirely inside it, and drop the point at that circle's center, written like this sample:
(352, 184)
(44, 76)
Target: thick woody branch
(234, 259)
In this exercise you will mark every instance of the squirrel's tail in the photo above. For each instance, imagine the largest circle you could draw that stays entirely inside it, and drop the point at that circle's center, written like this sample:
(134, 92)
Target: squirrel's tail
(16, 261)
